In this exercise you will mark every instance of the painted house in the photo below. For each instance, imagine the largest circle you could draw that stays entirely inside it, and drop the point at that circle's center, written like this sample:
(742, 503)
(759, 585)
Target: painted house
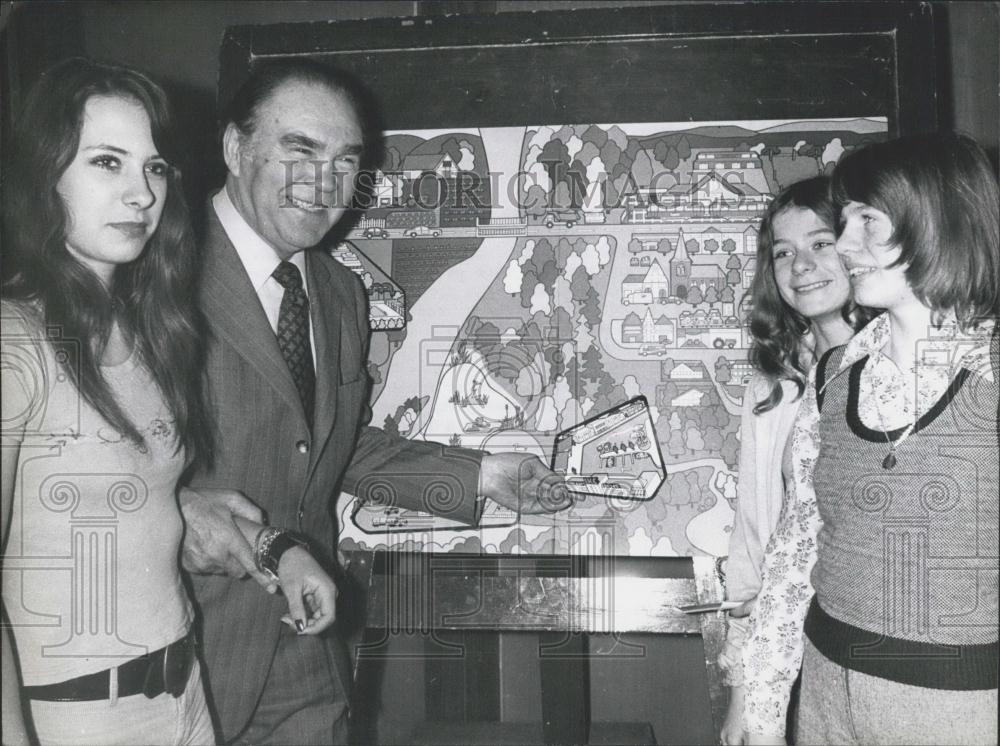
(387, 189)
(742, 167)
(660, 329)
(415, 166)
(690, 398)
(632, 329)
(740, 372)
(690, 372)
(654, 282)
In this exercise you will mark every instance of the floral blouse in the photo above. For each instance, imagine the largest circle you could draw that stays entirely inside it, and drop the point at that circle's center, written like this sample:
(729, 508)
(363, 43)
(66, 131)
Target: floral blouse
(889, 398)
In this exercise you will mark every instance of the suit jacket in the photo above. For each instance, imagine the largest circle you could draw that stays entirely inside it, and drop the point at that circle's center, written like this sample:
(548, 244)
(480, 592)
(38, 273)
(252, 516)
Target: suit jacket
(265, 449)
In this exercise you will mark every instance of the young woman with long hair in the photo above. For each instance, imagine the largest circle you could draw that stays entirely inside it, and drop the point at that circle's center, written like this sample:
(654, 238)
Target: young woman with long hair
(896, 461)
(800, 308)
(103, 410)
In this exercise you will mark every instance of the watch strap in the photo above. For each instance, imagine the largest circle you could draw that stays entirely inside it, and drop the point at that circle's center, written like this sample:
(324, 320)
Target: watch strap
(281, 543)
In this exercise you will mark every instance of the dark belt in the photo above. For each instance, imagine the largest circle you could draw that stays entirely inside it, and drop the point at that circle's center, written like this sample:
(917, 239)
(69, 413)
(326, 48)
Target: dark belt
(164, 670)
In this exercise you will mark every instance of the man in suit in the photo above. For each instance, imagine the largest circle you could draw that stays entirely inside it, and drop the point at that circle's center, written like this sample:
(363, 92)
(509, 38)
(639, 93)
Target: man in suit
(288, 382)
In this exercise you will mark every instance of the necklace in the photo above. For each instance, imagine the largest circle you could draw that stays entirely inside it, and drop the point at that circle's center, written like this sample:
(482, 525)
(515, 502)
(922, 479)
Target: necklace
(889, 462)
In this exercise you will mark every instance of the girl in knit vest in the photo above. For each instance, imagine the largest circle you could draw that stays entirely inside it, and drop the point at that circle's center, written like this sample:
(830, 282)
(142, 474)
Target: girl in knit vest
(895, 457)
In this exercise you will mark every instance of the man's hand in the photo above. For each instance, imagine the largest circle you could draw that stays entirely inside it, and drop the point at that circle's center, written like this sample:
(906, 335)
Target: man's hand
(311, 594)
(522, 483)
(213, 544)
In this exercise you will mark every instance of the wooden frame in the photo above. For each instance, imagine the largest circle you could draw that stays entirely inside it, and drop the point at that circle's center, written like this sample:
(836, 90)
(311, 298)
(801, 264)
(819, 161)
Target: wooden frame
(685, 61)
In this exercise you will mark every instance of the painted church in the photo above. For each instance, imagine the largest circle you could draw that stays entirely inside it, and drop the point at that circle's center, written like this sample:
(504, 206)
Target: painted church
(681, 275)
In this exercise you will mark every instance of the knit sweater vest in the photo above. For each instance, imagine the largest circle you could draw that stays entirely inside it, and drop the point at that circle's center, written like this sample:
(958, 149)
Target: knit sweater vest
(906, 580)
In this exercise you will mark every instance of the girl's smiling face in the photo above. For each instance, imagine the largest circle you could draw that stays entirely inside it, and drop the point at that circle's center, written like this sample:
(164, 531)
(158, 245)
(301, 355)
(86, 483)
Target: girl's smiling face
(807, 270)
(869, 254)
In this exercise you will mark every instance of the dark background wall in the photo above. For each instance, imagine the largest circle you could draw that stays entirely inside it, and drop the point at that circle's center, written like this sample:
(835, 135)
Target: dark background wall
(177, 41)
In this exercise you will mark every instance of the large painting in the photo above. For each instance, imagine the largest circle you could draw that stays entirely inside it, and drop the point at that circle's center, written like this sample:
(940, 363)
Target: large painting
(563, 217)
(610, 261)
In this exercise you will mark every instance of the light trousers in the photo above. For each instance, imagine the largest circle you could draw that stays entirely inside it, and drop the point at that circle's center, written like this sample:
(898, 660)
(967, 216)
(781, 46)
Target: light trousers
(127, 721)
(841, 706)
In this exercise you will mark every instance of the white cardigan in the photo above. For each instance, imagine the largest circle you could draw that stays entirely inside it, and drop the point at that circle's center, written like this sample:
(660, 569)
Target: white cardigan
(759, 497)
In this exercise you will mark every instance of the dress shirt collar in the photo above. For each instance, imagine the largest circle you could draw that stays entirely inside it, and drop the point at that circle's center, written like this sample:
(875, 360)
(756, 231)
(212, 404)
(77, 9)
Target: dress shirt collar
(947, 346)
(257, 256)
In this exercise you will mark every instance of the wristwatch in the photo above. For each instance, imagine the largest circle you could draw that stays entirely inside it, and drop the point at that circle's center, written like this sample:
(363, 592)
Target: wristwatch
(281, 543)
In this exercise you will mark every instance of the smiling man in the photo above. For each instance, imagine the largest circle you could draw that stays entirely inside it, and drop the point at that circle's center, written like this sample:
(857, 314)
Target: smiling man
(289, 389)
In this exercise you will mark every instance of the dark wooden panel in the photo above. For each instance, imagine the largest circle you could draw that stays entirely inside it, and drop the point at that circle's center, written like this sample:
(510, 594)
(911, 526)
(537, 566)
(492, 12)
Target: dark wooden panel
(570, 594)
(677, 62)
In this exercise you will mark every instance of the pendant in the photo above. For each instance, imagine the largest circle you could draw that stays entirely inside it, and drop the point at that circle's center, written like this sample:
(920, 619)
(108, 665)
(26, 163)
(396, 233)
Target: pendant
(889, 462)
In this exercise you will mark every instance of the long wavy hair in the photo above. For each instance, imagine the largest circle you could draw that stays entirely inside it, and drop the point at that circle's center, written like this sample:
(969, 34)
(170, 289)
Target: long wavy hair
(777, 328)
(941, 194)
(155, 295)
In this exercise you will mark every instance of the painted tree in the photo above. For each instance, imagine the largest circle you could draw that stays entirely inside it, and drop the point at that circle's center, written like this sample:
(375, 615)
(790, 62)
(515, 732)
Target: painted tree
(452, 148)
(666, 368)
(663, 246)
(634, 246)
(512, 278)
(683, 148)
(561, 393)
(571, 415)
(631, 386)
(731, 450)
(711, 246)
(733, 262)
(561, 197)
(694, 296)
(536, 201)
(577, 182)
(723, 370)
(680, 491)
(611, 155)
(713, 440)
(547, 417)
(711, 296)
(728, 246)
(693, 438)
(555, 158)
(674, 422)
(547, 274)
(666, 393)
(675, 444)
(592, 367)
(562, 295)
(582, 335)
(733, 277)
(528, 383)
(591, 259)
(486, 338)
(542, 255)
(528, 282)
(572, 376)
(728, 298)
(389, 427)
(592, 308)
(672, 159)
(692, 246)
